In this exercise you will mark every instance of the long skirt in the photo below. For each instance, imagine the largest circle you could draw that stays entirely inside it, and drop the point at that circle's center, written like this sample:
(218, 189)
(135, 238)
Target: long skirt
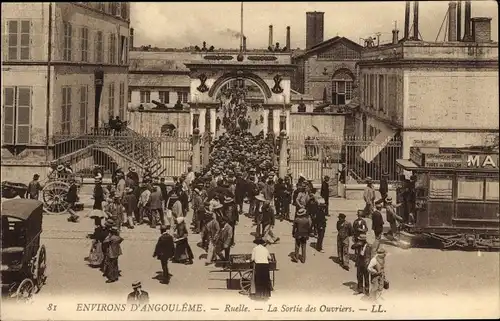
(111, 270)
(183, 251)
(262, 281)
(96, 255)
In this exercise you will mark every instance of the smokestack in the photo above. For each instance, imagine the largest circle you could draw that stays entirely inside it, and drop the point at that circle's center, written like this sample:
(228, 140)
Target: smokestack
(407, 21)
(415, 21)
(395, 36)
(288, 38)
(244, 44)
(131, 39)
(459, 20)
(468, 34)
(452, 22)
(270, 35)
(314, 28)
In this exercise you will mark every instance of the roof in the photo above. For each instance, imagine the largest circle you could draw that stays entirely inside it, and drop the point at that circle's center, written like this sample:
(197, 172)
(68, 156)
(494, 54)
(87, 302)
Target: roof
(407, 164)
(137, 64)
(147, 80)
(329, 43)
(20, 208)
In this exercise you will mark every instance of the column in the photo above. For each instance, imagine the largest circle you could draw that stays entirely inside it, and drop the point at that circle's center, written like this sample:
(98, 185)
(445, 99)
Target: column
(288, 128)
(283, 166)
(276, 121)
(203, 113)
(196, 151)
(191, 118)
(213, 118)
(265, 113)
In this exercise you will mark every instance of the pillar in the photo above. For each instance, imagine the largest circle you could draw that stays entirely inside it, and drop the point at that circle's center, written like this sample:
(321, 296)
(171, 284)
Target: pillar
(207, 140)
(266, 120)
(276, 121)
(196, 150)
(213, 118)
(203, 113)
(283, 167)
(288, 128)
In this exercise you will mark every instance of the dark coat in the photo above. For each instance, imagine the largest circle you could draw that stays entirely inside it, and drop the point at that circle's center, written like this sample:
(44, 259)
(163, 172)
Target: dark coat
(142, 298)
(268, 215)
(113, 247)
(345, 229)
(134, 176)
(100, 234)
(377, 221)
(164, 249)
(325, 190)
(301, 227)
(359, 226)
(362, 260)
(72, 195)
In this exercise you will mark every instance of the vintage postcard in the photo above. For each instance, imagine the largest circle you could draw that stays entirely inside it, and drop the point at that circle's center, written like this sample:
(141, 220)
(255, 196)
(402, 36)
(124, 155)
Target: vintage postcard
(250, 160)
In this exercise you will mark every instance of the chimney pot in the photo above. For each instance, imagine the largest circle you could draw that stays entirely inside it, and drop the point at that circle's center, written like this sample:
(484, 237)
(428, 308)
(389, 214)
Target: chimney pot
(131, 38)
(407, 21)
(468, 35)
(395, 36)
(416, 33)
(459, 20)
(288, 38)
(270, 35)
(244, 44)
(452, 22)
(481, 29)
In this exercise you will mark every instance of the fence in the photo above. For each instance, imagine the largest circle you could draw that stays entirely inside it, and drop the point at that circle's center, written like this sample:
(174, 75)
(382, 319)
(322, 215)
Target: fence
(315, 157)
(162, 155)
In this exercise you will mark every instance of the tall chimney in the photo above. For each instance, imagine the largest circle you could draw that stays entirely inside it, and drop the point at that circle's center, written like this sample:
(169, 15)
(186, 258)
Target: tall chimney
(459, 20)
(452, 22)
(270, 35)
(131, 39)
(288, 38)
(415, 21)
(244, 44)
(407, 21)
(468, 34)
(395, 36)
(314, 28)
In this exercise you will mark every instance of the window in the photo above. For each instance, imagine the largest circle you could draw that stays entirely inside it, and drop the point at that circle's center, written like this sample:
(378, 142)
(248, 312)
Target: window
(19, 39)
(84, 44)
(84, 101)
(121, 111)
(122, 50)
(373, 90)
(17, 115)
(129, 95)
(145, 97)
(68, 30)
(182, 96)
(99, 48)
(112, 49)
(113, 8)
(196, 121)
(470, 188)
(492, 189)
(440, 188)
(164, 97)
(66, 110)
(124, 10)
(101, 6)
(125, 59)
(341, 92)
(111, 100)
(381, 92)
(282, 123)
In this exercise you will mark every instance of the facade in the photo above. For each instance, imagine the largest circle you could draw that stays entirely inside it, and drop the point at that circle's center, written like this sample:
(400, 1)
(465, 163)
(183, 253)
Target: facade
(160, 76)
(327, 72)
(444, 94)
(64, 71)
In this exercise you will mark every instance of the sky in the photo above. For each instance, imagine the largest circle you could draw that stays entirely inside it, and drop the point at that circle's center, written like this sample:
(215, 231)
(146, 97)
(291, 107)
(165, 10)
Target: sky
(183, 24)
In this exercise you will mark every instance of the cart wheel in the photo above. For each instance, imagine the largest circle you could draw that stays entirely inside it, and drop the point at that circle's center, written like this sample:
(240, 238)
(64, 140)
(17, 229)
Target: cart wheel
(25, 290)
(54, 197)
(40, 267)
(246, 281)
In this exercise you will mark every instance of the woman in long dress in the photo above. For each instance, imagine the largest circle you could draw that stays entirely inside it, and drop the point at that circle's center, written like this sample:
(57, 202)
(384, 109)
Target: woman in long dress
(96, 255)
(262, 280)
(183, 252)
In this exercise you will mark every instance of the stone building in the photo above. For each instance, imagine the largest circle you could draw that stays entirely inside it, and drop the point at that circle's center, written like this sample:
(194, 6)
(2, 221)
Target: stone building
(70, 61)
(439, 93)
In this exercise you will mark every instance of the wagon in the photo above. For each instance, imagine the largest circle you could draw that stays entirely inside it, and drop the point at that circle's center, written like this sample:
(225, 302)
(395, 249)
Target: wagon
(55, 190)
(240, 267)
(23, 257)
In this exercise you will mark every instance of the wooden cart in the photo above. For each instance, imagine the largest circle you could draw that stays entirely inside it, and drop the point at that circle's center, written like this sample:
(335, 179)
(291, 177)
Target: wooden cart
(240, 267)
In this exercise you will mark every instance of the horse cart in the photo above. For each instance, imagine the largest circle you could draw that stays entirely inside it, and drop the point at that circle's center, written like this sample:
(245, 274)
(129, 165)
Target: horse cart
(23, 257)
(240, 267)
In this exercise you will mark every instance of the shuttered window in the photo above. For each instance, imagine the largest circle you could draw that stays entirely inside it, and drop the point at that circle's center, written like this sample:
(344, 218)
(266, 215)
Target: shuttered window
(121, 111)
(111, 100)
(67, 43)
(84, 102)
(17, 115)
(99, 48)
(84, 44)
(112, 49)
(66, 110)
(19, 39)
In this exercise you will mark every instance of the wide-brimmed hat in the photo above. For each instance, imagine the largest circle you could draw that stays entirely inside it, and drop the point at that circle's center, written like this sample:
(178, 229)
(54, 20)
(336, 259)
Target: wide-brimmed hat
(259, 240)
(362, 237)
(301, 212)
(114, 229)
(136, 284)
(378, 205)
(128, 190)
(260, 197)
(368, 179)
(109, 222)
(60, 167)
(388, 199)
(228, 199)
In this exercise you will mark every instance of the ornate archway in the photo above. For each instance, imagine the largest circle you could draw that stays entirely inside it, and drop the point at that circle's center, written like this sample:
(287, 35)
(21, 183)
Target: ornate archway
(226, 78)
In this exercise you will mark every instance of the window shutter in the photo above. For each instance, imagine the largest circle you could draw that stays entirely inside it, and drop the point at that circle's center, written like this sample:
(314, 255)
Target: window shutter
(75, 44)
(8, 117)
(13, 39)
(23, 130)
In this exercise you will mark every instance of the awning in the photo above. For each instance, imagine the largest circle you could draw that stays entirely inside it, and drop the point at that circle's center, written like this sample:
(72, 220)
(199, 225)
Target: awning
(407, 164)
(376, 146)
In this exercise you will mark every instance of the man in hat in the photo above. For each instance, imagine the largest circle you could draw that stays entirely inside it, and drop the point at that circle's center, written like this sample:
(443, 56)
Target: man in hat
(34, 188)
(325, 191)
(120, 185)
(252, 191)
(198, 210)
(377, 221)
(130, 203)
(302, 198)
(392, 217)
(287, 198)
(300, 232)
(113, 251)
(376, 268)
(165, 250)
(359, 226)
(138, 295)
(116, 211)
(225, 240)
(211, 233)
(321, 224)
(231, 214)
(176, 202)
(239, 192)
(260, 199)
(384, 188)
(107, 230)
(71, 199)
(144, 203)
(362, 260)
(133, 175)
(369, 197)
(344, 229)
(156, 207)
(268, 220)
